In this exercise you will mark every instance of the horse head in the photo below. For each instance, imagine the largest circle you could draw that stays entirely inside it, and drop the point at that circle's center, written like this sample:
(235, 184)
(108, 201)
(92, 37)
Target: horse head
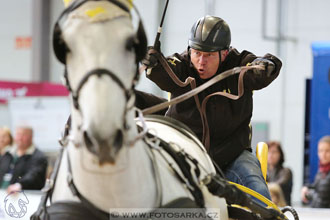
(100, 48)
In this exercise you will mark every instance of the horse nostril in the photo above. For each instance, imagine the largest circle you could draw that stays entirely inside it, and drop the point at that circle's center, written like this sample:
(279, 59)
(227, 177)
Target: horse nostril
(89, 143)
(119, 139)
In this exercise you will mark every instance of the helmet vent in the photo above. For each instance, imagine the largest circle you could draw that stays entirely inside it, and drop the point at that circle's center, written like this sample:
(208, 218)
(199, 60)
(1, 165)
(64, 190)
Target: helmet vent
(196, 29)
(216, 35)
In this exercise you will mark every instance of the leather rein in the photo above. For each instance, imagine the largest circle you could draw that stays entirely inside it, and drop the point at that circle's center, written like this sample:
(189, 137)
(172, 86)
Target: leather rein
(195, 90)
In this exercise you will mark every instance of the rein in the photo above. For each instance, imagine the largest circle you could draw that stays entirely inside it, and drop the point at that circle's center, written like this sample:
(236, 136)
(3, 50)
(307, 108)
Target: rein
(195, 90)
(200, 88)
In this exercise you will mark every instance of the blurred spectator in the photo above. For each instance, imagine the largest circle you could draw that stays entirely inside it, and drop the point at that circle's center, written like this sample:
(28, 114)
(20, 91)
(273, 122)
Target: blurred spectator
(6, 140)
(276, 172)
(276, 194)
(318, 194)
(23, 166)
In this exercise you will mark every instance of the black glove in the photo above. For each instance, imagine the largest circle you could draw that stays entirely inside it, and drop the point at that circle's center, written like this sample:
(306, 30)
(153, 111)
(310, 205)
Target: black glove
(150, 59)
(268, 65)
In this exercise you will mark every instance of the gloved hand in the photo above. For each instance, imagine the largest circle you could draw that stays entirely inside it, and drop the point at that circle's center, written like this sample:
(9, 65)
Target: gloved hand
(150, 59)
(268, 65)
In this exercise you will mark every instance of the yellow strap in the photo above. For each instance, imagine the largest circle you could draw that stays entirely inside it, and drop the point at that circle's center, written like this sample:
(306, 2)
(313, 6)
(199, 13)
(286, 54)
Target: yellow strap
(256, 195)
(95, 11)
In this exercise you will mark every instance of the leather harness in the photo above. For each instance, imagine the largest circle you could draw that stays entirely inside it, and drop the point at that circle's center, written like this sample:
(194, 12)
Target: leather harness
(182, 159)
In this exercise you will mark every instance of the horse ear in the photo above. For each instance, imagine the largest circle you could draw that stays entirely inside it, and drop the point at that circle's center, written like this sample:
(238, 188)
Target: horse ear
(59, 46)
(141, 46)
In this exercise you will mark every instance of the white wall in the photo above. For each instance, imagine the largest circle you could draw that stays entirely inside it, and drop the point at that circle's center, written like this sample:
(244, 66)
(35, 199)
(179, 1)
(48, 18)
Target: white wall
(16, 21)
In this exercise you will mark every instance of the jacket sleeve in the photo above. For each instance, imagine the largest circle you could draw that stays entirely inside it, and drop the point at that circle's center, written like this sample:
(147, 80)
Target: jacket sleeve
(254, 81)
(36, 175)
(159, 75)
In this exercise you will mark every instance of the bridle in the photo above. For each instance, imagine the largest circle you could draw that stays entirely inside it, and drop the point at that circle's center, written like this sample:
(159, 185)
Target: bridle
(61, 49)
(99, 72)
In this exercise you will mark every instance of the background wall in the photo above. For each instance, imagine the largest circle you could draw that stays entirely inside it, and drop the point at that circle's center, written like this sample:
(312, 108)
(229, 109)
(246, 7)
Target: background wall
(292, 25)
(16, 30)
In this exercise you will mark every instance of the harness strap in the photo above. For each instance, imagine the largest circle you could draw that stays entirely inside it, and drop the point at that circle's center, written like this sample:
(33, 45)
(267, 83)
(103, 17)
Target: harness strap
(90, 206)
(181, 160)
(48, 190)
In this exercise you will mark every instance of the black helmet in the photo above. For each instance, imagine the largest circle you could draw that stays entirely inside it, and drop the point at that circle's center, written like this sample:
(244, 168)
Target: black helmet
(210, 34)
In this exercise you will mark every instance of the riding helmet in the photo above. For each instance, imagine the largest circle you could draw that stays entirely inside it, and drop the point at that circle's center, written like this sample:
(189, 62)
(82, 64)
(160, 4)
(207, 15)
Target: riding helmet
(210, 34)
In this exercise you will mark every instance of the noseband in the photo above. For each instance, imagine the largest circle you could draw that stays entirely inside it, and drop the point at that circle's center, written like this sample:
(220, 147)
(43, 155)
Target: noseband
(99, 72)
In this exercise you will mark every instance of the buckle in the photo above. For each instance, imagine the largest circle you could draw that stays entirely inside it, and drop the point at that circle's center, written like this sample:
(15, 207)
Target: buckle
(71, 185)
(48, 185)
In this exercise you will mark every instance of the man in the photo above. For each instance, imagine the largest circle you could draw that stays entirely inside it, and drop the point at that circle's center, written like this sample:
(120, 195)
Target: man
(23, 166)
(209, 54)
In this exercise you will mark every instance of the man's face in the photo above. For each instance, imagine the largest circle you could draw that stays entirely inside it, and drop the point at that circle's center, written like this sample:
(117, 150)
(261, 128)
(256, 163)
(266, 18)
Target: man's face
(206, 63)
(23, 138)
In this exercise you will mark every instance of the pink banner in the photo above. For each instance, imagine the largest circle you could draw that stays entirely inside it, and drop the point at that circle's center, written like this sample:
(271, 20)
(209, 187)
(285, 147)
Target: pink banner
(15, 89)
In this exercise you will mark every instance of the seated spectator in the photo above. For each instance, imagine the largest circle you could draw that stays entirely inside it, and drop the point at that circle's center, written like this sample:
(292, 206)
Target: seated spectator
(276, 194)
(276, 172)
(318, 194)
(6, 140)
(23, 166)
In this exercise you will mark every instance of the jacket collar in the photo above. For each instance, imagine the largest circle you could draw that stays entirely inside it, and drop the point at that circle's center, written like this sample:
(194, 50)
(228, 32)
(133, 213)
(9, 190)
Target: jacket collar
(6, 149)
(29, 151)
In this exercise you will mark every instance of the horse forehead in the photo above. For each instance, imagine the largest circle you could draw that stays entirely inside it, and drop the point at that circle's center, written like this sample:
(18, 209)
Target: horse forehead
(98, 11)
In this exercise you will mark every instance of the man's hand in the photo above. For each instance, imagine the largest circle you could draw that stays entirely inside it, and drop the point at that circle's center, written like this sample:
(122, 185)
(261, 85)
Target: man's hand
(268, 65)
(150, 60)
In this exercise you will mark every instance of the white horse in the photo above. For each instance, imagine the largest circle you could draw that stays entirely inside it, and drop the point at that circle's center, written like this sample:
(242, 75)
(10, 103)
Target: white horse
(107, 163)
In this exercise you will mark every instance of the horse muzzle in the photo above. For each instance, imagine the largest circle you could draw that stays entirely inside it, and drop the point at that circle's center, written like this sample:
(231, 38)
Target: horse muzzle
(105, 150)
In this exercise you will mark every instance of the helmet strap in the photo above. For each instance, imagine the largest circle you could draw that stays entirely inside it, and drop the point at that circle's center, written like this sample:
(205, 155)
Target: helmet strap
(220, 60)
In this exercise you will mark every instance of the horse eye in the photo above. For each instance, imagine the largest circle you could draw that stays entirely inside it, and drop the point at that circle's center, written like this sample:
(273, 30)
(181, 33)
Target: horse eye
(130, 43)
